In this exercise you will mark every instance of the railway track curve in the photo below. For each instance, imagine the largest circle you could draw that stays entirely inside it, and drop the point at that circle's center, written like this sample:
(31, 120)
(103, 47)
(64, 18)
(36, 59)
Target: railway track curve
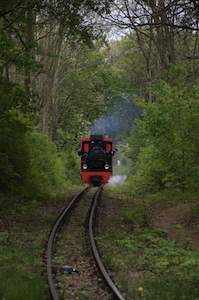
(61, 220)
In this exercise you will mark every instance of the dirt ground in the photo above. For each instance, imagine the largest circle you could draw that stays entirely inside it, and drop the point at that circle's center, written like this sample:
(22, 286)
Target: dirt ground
(172, 221)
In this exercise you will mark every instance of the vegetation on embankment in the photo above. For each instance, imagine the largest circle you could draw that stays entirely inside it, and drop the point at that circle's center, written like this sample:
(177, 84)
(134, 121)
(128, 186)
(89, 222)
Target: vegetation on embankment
(153, 254)
(163, 146)
(24, 229)
(31, 167)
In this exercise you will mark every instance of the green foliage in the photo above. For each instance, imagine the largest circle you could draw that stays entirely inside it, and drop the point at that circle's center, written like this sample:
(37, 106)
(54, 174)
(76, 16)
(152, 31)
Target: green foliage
(81, 91)
(173, 269)
(144, 256)
(46, 174)
(11, 96)
(16, 285)
(139, 216)
(166, 137)
(13, 151)
(192, 216)
(127, 62)
(30, 164)
(22, 244)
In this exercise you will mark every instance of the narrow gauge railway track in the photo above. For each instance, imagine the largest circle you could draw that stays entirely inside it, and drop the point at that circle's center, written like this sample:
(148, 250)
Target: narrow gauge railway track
(61, 220)
(51, 242)
(92, 218)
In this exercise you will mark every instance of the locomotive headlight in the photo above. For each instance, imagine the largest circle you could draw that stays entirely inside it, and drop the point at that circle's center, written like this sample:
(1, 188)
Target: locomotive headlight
(106, 167)
(85, 166)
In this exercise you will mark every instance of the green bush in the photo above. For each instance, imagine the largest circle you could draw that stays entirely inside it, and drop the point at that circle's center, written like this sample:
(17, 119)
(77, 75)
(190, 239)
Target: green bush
(138, 217)
(174, 270)
(47, 168)
(30, 164)
(165, 143)
(14, 156)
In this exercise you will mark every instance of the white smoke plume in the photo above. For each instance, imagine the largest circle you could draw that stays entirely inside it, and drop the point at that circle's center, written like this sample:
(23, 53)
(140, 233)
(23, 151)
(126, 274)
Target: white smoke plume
(119, 119)
(117, 180)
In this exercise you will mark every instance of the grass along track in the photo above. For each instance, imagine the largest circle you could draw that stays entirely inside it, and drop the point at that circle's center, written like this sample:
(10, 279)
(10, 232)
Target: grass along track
(145, 261)
(24, 227)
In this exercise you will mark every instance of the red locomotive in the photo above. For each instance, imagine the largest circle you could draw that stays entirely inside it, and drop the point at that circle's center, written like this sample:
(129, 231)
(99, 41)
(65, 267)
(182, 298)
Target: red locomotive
(96, 152)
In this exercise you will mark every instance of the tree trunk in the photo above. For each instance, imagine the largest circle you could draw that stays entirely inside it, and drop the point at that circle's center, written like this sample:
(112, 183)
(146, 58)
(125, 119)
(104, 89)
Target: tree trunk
(164, 38)
(29, 40)
(55, 83)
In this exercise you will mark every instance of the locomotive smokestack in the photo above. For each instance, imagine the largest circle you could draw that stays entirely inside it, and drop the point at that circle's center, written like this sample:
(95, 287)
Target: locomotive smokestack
(96, 137)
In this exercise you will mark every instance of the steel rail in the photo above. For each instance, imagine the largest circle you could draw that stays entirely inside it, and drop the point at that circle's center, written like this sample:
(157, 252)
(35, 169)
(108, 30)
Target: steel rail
(95, 250)
(56, 228)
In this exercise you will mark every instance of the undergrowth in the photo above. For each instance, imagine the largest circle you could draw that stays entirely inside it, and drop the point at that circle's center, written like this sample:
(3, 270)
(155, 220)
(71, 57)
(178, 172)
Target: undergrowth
(144, 262)
(24, 230)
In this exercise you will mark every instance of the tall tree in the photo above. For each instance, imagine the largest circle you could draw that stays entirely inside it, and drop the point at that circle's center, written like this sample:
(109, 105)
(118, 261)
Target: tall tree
(157, 22)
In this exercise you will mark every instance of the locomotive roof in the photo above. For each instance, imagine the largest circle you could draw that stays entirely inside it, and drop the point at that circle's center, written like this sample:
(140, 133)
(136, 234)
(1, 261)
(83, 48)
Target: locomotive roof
(89, 138)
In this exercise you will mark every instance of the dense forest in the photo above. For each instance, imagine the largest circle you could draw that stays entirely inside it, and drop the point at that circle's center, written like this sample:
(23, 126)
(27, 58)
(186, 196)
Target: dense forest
(66, 64)
(128, 69)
